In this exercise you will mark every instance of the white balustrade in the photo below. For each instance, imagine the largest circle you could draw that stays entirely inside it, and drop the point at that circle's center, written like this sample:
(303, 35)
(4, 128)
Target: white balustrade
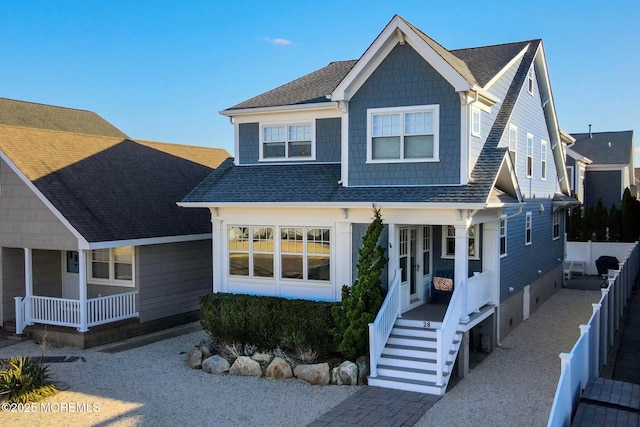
(381, 327)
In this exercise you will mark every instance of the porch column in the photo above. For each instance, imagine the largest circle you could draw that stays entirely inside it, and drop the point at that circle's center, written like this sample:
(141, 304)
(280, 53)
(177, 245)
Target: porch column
(28, 284)
(218, 253)
(491, 256)
(82, 283)
(461, 273)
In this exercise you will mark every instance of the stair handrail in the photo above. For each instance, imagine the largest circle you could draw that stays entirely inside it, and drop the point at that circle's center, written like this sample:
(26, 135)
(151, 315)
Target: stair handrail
(447, 331)
(22, 316)
(381, 327)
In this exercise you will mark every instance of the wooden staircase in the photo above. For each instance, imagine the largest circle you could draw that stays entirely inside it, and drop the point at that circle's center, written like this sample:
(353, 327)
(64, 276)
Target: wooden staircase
(408, 361)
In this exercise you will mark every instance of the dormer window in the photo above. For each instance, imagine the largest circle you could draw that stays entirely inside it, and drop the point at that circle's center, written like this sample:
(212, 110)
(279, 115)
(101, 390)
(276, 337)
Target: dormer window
(402, 134)
(287, 142)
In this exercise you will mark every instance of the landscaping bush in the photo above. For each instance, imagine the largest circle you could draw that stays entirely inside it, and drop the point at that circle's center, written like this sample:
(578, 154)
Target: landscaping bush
(23, 380)
(268, 322)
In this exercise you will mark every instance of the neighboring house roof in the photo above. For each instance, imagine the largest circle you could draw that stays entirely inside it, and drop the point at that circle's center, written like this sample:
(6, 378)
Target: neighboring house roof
(109, 188)
(605, 148)
(41, 116)
(207, 156)
(308, 183)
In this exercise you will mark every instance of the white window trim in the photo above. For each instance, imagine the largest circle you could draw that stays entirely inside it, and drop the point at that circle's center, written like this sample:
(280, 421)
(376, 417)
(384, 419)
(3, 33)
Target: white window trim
(530, 85)
(112, 281)
(434, 109)
(286, 124)
(277, 256)
(543, 160)
(528, 226)
(513, 145)
(556, 215)
(500, 236)
(476, 112)
(476, 244)
(529, 172)
(570, 173)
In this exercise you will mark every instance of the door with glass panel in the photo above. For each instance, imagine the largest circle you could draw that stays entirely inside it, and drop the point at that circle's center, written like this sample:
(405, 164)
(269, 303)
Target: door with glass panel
(414, 252)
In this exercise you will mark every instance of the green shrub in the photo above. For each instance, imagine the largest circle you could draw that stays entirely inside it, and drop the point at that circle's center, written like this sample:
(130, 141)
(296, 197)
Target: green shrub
(268, 322)
(361, 301)
(24, 380)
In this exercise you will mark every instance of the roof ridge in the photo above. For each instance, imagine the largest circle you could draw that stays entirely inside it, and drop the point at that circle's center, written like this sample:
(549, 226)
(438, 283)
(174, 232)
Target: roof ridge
(139, 140)
(600, 133)
(122, 138)
(495, 45)
(48, 105)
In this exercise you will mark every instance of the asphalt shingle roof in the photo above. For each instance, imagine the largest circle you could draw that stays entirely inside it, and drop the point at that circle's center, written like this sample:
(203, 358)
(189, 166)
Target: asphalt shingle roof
(110, 188)
(605, 148)
(41, 116)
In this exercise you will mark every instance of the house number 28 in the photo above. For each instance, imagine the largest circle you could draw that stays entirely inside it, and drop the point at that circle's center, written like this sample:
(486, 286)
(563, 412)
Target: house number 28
(426, 324)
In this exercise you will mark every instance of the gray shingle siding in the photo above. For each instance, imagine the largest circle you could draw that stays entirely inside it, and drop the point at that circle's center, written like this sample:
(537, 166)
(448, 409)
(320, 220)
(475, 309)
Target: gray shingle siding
(603, 185)
(249, 143)
(404, 78)
(327, 142)
(520, 267)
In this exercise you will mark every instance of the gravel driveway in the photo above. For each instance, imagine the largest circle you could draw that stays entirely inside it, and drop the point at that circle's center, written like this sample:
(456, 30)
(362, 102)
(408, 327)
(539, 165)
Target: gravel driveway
(152, 386)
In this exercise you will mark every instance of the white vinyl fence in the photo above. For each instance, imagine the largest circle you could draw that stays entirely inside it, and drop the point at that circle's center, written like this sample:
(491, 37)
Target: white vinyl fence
(591, 351)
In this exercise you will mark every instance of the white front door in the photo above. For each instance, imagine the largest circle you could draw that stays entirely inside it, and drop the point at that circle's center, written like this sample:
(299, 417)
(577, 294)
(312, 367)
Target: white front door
(70, 275)
(415, 261)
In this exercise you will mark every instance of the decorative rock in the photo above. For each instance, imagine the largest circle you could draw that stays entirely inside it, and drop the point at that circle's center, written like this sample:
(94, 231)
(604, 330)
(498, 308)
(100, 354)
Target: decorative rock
(262, 357)
(317, 374)
(204, 349)
(345, 374)
(245, 366)
(279, 369)
(194, 358)
(215, 365)
(363, 369)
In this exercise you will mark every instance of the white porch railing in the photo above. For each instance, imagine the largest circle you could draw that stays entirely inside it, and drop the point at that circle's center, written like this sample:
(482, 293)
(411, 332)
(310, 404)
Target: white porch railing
(66, 312)
(380, 329)
(590, 353)
(478, 288)
(447, 331)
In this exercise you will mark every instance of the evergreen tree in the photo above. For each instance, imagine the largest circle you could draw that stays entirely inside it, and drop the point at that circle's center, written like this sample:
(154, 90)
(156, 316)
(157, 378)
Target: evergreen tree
(588, 223)
(615, 223)
(600, 219)
(574, 224)
(629, 225)
(361, 301)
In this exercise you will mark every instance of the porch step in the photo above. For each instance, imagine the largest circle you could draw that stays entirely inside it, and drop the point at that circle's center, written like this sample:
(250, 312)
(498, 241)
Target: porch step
(414, 362)
(408, 340)
(414, 331)
(8, 331)
(424, 324)
(427, 387)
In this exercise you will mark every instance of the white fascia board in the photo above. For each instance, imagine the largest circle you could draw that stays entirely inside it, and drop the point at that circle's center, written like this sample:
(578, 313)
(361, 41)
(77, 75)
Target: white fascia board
(485, 96)
(381, 47)
(506, 68)
(149, 241)
(577, 156)
(280, 109)
(557, 147)
(82, 242)
(506, 161)
(606, 167)
(347, 205)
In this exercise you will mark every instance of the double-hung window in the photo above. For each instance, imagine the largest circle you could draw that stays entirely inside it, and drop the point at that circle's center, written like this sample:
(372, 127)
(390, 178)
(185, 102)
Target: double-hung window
(556, 225)
(287, 141)
(530, 81)
(112, 266)
(503, 237)
(476, 122)
(251, 251)
(403, 134)
(527, 229)
(543, 159)
(513, 143)
(305, 253)
(529, 155)
(449, 242)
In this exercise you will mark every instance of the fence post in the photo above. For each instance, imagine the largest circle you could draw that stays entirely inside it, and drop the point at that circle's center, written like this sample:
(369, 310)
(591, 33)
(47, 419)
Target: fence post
(565, 367)
(585, 372)
(604, 317)
(595, 345)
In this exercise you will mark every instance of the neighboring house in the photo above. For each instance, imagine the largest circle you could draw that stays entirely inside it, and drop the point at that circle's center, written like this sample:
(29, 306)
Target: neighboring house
(600, 166)
(90, 233)
(460, 149)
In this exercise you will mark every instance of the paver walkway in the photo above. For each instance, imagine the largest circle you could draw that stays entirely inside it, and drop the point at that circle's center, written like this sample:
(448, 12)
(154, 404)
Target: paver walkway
(608, 402)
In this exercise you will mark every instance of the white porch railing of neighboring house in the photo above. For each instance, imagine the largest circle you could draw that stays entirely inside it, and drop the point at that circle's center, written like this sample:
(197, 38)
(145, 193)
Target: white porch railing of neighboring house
(591, 351)
(66, 312)
(381, 327)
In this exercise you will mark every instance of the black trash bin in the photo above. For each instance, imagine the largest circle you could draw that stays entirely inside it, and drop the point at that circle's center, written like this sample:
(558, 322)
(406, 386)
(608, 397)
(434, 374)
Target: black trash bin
(606, 263)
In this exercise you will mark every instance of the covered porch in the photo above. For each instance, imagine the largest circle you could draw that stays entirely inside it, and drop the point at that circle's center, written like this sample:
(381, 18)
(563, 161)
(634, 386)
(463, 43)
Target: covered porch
(52, 288)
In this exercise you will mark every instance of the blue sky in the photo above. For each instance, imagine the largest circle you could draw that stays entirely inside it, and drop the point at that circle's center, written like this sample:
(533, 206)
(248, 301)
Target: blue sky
(162, 70)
